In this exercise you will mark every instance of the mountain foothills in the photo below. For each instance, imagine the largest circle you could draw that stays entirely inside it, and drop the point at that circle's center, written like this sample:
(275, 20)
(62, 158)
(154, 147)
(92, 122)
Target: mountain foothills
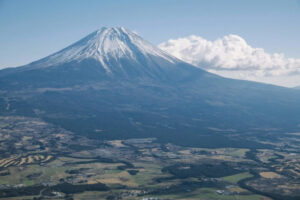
(113, 84)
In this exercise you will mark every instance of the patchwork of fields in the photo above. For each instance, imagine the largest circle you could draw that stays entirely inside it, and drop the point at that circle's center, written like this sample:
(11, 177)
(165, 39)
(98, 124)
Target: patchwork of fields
(41, 161)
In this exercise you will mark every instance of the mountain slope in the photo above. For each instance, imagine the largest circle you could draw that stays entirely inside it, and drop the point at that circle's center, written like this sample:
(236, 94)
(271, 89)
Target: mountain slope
(114, 84)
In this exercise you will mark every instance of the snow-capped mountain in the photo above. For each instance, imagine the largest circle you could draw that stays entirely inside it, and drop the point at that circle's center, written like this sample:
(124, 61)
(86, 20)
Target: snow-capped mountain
(106, 45)
(115, 81)
(117, 52)
(107, 53)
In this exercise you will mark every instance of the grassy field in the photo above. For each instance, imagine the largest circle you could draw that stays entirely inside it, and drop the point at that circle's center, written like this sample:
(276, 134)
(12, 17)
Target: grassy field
(237, 177)
(238, 152)
(20, 175)
(146, 173)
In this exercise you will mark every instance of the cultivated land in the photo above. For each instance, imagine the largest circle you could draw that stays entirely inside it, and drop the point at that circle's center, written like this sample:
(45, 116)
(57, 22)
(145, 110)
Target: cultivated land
(41, 161)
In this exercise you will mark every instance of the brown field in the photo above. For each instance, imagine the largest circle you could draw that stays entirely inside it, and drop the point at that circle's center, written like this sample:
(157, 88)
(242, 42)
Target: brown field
(269, 175)
(117, 143)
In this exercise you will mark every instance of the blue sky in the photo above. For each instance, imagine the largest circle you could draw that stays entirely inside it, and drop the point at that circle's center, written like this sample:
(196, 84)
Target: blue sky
(33, 29)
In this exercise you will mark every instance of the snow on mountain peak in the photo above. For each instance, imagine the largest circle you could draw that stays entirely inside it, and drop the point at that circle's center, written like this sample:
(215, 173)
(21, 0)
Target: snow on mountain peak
(105, 45)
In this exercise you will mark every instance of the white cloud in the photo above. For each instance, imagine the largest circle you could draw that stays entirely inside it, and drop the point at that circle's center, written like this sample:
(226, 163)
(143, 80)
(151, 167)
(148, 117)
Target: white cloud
(231, 56)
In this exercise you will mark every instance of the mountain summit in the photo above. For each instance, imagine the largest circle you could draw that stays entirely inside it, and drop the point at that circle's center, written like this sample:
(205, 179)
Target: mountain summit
(117, 52)
(106, 45)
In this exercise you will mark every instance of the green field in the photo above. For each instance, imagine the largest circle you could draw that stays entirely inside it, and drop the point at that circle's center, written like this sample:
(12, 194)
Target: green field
(237, 177)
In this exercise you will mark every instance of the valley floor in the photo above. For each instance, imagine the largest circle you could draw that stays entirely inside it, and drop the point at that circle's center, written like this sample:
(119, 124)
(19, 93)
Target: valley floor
(41, 161)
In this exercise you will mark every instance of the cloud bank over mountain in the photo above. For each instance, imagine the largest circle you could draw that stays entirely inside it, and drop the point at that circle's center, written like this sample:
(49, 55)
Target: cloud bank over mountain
(231, 56)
